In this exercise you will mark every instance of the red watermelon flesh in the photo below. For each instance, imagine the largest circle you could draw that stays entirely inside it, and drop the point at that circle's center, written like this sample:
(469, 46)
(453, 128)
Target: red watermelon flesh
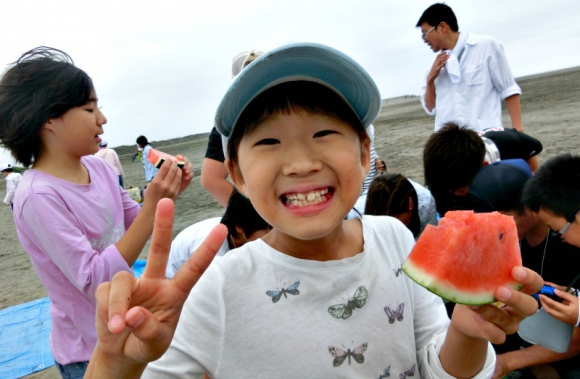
(467, 257)
(156, 158)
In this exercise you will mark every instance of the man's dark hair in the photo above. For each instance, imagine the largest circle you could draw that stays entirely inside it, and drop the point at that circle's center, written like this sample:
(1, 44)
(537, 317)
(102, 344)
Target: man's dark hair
(241, 213)
(555, 187)
(42, 84)
(142, 141)
(451, 157)
(389, 195)
(438, 13)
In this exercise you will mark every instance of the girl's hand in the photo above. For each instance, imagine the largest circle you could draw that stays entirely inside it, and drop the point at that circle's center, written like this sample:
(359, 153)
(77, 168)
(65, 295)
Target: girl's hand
(136, 318)
(187, 173)
(167, 183)
(566, 311)
(491, 323)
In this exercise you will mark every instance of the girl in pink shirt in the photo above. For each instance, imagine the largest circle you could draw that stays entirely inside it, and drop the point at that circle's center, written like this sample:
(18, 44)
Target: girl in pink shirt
(73, 219)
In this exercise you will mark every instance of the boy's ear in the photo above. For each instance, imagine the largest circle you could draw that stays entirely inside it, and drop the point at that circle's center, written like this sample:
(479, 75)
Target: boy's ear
(366, 155)
(236, 176)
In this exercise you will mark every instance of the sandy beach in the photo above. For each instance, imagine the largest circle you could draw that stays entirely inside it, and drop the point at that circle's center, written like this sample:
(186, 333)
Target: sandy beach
(551, 113)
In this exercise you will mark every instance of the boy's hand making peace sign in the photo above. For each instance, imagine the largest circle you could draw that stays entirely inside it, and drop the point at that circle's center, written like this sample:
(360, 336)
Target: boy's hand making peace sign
(136, 318)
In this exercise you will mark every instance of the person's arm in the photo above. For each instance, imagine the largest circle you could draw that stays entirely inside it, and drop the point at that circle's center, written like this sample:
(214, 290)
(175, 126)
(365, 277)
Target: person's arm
(429, 96)
(515, 110)
(131, 335)
(464, 351)
(214, 180)
(534, 355)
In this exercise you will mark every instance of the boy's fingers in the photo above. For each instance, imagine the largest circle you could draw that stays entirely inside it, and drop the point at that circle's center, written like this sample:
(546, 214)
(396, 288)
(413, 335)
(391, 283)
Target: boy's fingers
(160, 240)
(564, 295)
(531, 280)
(120, 293)
(195, 266)
(520, 304)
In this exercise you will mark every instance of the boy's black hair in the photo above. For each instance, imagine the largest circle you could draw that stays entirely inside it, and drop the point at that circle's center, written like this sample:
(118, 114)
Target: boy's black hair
(8, 169)
(293, 96)
(389, 195)
(42, 84)
(555, 187)
(451, 158)
(241, 213)
(142, 141)
(438, 13)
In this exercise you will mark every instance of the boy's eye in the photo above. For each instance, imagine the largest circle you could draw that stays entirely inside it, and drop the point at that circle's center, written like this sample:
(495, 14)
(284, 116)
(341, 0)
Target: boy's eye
(267, 141)
(324, 133)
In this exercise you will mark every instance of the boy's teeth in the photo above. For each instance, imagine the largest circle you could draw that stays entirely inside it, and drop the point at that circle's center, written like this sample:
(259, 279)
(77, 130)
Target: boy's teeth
(303, 199)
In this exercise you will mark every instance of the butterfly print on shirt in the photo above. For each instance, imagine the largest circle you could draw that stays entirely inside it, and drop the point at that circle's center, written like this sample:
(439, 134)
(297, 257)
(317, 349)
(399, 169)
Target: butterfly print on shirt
(340, 355)
(277, 294)
(395, 314)
(344, 311)
(409, 372)
(386, 373)
(398, 272)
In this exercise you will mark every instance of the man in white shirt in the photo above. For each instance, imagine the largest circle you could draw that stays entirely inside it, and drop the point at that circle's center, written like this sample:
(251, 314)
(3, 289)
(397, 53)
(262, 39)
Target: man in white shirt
(12, 180)
(469, 77)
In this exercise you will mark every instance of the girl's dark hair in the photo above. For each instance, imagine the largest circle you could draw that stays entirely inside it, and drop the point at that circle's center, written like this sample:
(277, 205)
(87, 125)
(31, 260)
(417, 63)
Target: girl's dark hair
(288, 97)
(42, 84)
(389, 195)
(142, 140)
(240, 212)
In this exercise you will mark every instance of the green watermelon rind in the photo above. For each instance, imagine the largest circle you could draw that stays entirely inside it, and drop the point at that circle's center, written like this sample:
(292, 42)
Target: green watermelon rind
(450, 293)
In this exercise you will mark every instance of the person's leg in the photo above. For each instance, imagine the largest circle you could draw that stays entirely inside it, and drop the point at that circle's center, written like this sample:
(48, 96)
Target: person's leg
(121, 181)
(74, 370)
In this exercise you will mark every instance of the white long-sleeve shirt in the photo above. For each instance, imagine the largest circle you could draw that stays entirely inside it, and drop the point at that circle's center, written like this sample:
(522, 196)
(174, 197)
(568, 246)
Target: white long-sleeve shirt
(486, 80)
(12, 181)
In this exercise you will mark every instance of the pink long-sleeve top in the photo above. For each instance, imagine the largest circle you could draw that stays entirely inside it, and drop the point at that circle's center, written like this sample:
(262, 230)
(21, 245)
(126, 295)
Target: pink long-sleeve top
(69, 231)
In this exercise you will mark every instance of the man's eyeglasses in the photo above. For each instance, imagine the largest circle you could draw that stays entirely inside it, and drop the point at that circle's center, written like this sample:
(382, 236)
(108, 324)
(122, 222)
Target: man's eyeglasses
(424, 35)
(562, 231)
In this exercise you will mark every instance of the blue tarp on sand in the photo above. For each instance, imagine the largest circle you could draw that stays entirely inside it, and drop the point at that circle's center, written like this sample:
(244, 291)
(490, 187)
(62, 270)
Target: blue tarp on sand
(24, 336)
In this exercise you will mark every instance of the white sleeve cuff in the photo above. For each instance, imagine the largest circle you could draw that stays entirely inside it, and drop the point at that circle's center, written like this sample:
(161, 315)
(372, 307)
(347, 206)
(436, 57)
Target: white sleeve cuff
(435, 369)
(510, 91)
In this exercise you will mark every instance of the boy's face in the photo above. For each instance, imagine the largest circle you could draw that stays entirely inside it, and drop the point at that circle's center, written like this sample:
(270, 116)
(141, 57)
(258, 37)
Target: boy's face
(302, 172)
(558, 223)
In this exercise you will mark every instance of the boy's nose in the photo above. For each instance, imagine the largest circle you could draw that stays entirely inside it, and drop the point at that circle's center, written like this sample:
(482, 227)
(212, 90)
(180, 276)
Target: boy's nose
(302, 163)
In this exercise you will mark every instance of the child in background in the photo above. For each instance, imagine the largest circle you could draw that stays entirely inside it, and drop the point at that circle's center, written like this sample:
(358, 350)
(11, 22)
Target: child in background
(454, 154)
(148, 167)
(12, 181)
(73, 219)
(554, 194)
(318, 296)
(400, 197)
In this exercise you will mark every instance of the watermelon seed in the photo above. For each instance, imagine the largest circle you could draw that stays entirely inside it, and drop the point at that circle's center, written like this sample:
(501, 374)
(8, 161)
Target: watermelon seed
(500, 235)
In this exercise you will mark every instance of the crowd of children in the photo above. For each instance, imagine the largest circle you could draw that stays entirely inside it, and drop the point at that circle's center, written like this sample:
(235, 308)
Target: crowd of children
(312, 291)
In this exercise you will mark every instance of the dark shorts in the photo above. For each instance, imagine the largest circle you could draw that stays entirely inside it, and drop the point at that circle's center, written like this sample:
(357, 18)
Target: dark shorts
(74, 370)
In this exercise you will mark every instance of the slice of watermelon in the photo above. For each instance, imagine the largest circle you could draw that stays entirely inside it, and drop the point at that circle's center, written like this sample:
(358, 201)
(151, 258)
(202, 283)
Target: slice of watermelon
(467, 257)
(156, 158)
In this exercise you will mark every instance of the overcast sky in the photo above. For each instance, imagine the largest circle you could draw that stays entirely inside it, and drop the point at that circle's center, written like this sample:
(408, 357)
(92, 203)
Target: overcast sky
(161, 67)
